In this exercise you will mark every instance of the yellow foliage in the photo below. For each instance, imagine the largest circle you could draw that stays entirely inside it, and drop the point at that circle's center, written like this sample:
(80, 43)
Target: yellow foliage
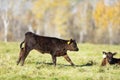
(104, 15)
(41, 6)
(57, 10)
(57, 3)
(99, 11)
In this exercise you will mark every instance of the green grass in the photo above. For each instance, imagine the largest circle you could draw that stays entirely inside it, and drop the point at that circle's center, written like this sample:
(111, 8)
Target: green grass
(37, 66)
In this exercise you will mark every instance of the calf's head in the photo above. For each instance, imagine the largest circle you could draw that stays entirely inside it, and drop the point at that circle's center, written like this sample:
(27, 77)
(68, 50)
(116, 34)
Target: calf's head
(72, 45)
(109, 56)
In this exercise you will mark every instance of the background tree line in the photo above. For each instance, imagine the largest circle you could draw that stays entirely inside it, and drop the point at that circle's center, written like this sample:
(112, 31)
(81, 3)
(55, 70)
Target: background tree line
(92, 21)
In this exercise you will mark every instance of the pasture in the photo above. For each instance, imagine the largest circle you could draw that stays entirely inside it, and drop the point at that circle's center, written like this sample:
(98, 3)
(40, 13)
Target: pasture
(39, 67)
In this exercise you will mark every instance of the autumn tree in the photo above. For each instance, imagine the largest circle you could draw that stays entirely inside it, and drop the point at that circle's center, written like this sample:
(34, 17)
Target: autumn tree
(106, 18)
(52, 15)
(81, 22)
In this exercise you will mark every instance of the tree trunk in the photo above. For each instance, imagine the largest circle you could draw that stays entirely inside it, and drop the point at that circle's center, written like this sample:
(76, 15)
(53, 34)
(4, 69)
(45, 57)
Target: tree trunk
(5, 30)
(83, 25)
(30, 28)
(110, 32)
(38, 30)
(6, 23)
(81, 36)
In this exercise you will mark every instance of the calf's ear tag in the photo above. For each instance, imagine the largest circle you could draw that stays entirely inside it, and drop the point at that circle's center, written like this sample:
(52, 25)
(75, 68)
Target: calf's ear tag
(68, 42)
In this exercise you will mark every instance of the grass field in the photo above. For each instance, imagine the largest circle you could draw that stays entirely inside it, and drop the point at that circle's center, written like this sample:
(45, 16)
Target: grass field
(38, 66)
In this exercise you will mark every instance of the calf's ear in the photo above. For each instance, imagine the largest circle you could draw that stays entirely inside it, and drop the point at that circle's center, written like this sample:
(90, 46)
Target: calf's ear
(70, 41)
(114, 53)
(104, 52)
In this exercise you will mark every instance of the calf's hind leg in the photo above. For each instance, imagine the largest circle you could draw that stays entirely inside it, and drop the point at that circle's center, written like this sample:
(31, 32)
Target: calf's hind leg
(20, 55)
(54, 60)
(25, 54)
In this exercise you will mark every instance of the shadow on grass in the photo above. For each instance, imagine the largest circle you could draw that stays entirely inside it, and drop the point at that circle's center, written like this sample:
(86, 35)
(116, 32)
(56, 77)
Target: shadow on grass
(46, 63)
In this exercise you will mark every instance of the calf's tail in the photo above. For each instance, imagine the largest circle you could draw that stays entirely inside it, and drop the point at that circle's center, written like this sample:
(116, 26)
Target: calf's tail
(21, 44)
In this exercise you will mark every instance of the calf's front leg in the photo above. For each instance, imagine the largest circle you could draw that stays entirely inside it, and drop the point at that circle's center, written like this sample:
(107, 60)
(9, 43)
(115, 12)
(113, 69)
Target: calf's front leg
(68, 59)
(104, 62)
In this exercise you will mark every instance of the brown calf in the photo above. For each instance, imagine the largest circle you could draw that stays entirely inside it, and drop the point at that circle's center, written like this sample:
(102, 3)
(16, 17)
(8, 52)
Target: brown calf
(54, 46)
(108, 58)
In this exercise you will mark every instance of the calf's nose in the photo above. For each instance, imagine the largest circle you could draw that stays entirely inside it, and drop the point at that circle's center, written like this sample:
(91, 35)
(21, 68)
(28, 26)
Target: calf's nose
(77, 49)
